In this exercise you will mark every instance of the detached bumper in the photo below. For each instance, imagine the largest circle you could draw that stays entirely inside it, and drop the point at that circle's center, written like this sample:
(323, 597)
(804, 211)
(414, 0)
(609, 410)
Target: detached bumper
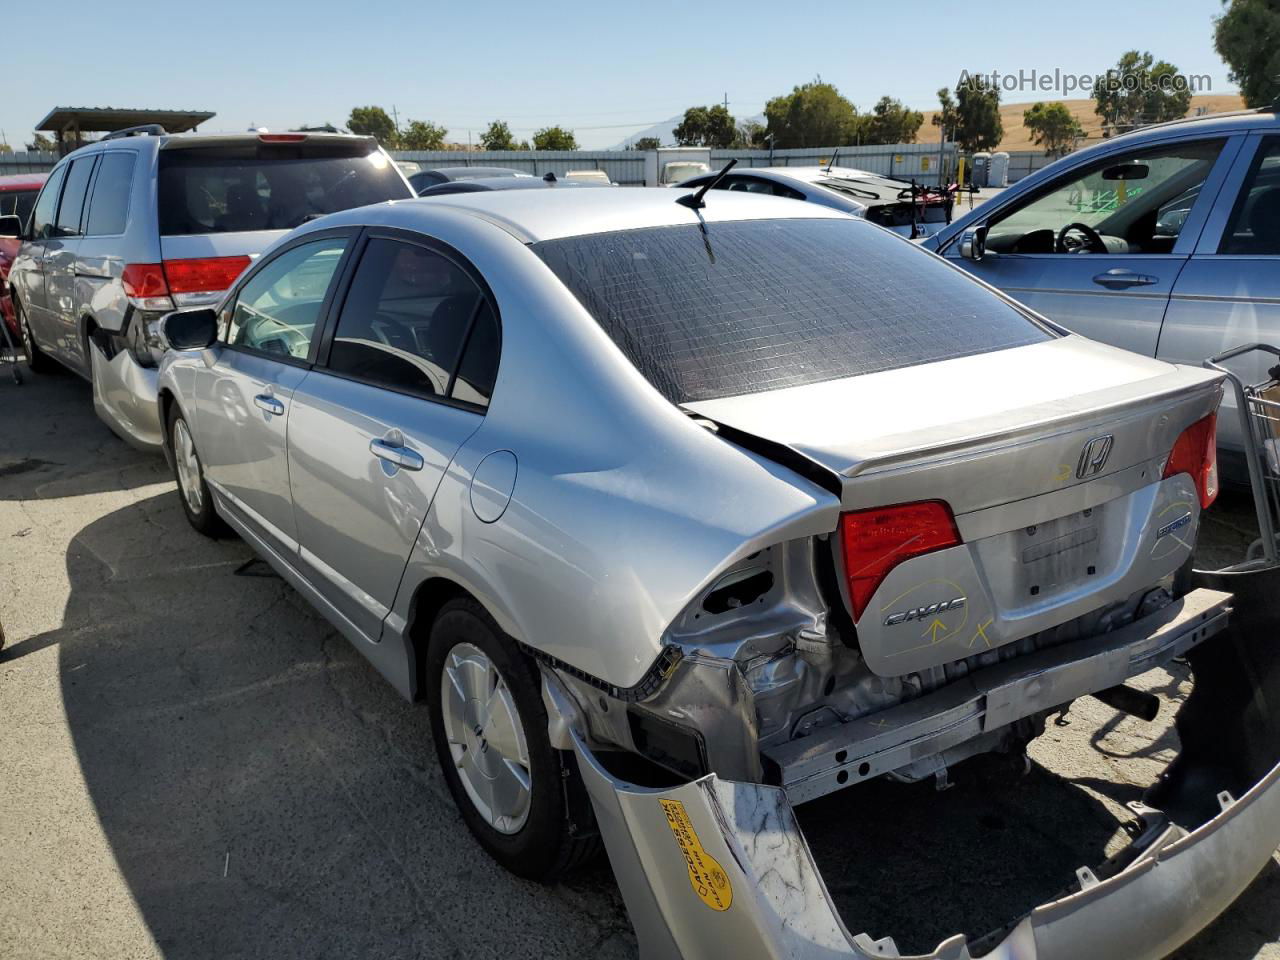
(715, 868)
(125, 397)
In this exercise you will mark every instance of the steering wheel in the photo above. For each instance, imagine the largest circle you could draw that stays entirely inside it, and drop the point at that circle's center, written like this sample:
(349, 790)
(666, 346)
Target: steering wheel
(1093, 243)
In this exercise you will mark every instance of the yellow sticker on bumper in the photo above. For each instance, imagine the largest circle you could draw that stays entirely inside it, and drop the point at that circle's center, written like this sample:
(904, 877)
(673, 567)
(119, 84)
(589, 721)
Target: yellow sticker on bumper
(706, 876)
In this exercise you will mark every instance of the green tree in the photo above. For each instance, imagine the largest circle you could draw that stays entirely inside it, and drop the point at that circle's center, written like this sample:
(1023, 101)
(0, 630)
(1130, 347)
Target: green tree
(706, 127)
(646, 143)
(554, 138)
(373, 122)
(1053, 127)
(976, 114)
(422, 135)
(5, 148)
(42, 144)
(497, 136)
(812, 115)
(1138, 91)
(889, 122)
(1247, 37)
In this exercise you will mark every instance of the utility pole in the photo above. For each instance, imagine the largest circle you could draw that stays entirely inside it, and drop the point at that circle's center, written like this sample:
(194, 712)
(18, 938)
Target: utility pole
(395, 120)
(726, 101)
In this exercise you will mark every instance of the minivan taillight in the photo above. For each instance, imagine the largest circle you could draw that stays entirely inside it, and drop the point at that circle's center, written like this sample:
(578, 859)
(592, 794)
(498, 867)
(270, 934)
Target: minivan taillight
(1196, 453)
(144, 280)
(203, 274)
(873, 542)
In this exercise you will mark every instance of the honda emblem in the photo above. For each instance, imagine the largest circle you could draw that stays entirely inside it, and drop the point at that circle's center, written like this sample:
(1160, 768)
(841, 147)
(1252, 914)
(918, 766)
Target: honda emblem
(1094, 456)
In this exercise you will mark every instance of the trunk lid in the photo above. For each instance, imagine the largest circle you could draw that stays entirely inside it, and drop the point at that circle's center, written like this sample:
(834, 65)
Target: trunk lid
(1052, 525)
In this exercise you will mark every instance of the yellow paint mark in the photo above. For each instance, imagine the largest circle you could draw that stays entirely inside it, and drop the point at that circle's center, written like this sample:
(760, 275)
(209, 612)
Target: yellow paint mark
(933, 629)
(981, 632)
(706, 876)
(1063, 474)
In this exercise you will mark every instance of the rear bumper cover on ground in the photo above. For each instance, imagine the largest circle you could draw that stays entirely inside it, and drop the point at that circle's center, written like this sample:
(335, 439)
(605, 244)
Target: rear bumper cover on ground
(716, 868)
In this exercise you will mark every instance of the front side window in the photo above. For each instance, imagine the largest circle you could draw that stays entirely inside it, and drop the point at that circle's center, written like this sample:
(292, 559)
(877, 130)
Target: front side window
(761, 305)
(1127, 204)
(109, 206)
(18, 203)
(277, 309)
(46, 206)
(1254, 228)
(406, 319)
(72, 205)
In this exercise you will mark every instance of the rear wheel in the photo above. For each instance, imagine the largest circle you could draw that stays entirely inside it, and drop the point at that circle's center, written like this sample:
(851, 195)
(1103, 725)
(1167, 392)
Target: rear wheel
(188, 471)
(37, 359)
(490, 730)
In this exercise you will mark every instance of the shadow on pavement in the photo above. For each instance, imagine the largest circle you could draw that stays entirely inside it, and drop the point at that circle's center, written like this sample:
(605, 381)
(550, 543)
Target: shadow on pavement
(265, 794)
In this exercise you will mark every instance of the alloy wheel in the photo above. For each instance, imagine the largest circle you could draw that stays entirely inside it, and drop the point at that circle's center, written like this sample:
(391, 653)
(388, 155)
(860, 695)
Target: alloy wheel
(486, 738)
(184, 455)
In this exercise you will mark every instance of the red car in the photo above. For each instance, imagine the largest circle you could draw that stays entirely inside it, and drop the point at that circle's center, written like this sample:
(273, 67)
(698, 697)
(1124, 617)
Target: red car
(17, 197)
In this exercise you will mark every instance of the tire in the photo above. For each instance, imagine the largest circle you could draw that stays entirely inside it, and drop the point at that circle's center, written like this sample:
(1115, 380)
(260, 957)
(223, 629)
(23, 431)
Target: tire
(188, 473)
(534, 839)
(37, 359)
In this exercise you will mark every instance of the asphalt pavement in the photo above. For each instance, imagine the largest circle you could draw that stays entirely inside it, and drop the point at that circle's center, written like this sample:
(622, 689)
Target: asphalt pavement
(193, 764)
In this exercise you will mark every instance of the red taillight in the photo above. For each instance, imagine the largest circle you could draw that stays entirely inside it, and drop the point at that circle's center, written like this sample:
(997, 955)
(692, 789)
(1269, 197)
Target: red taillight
(282, 137)
(1196, 453)
(873, 542)
(203, 275)
(144, 280)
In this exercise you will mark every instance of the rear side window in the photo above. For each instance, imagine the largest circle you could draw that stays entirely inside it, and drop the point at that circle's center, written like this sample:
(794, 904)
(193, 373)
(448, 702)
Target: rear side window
(268, 186)
(766, 304)
(406, 319)
(42, 215)
(109, 207)
(73, 195)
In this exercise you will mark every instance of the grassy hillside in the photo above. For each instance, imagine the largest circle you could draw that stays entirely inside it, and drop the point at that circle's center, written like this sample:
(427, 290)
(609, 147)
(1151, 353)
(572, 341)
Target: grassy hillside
(1018, 137)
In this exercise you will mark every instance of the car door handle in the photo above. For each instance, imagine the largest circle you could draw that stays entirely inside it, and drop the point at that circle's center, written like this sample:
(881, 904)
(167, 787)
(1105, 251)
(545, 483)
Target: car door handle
(400, 456)
(1120, 279)
(265, 401)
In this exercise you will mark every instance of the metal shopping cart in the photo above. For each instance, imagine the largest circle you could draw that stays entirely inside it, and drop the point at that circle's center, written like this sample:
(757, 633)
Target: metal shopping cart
(1259, 408)
(10, 350)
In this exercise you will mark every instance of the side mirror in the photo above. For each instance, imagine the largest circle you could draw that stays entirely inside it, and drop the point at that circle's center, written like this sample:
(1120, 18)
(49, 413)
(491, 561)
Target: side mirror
(10, 227)
(190, 329)
(973, 243)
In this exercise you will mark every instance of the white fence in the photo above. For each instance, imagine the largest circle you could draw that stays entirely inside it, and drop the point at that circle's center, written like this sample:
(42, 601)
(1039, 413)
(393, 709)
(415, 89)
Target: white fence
(919, 161)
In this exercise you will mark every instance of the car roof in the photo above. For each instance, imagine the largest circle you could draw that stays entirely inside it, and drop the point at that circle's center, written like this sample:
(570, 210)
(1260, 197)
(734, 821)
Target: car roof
(475, 173)
(536, 215)
(22, 181)
(195, 139)
(1267, 118)
(479, 184)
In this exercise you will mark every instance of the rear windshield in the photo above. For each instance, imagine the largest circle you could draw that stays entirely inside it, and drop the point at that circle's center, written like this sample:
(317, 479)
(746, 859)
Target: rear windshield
(17, 203)
(268, 186)
(765, 304)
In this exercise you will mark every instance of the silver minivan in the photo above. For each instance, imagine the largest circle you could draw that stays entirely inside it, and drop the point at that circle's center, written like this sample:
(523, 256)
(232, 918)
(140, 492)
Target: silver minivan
(142, 222)
(1165, 241)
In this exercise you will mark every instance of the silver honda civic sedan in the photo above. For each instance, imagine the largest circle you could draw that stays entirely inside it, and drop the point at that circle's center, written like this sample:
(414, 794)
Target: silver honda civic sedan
(678, 511)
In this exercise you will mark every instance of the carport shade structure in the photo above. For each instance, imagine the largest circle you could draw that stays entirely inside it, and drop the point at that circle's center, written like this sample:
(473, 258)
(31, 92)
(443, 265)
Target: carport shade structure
(68, 123)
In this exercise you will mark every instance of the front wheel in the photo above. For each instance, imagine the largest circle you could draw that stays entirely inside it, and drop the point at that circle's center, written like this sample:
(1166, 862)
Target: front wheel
(188, 471)
(490, 730)
(37, 359)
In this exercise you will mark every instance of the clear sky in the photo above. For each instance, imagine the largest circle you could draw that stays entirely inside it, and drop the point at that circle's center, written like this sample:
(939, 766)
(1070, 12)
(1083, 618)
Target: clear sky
(605, 69)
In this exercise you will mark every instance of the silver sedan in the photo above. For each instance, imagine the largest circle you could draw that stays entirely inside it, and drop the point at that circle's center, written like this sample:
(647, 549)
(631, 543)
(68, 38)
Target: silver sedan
(680, 510)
